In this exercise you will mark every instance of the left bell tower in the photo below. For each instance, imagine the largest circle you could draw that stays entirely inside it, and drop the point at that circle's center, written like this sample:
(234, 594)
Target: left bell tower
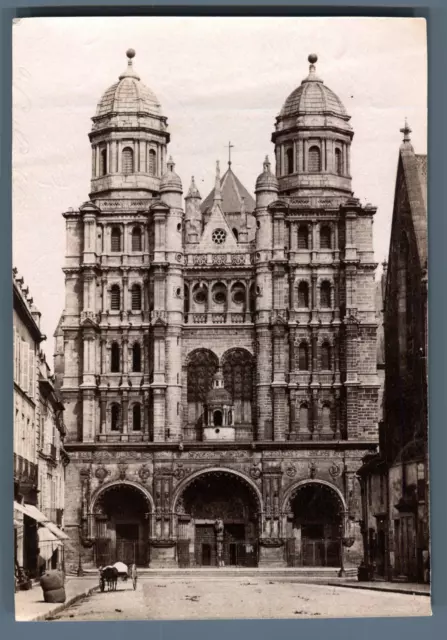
(128, 137)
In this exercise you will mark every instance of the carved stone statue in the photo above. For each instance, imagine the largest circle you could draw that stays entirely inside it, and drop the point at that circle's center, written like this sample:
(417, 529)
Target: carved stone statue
(219, 529)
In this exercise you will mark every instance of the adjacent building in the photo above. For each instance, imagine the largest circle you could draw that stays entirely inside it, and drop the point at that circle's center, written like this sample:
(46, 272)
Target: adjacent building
(217, 357)
(39, 457)
(395, 481)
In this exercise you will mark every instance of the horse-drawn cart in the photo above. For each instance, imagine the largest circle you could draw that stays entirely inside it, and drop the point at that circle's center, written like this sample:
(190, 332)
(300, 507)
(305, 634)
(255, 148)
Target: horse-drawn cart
(108, 576)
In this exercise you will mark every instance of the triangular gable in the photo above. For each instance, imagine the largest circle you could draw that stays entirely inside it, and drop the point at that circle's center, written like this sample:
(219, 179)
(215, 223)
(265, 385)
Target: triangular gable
(217, 220)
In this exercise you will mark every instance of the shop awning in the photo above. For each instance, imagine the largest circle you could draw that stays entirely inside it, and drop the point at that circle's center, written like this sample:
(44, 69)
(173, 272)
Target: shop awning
(48, 543)
(32, 512)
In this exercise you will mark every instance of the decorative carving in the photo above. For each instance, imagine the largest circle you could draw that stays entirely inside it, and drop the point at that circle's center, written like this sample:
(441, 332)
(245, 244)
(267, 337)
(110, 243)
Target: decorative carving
(144, 473)
(271, 542)
(219, 259)
(179, 472)
(334, 470)
(122, 470)
(291, 470)
(238, 259)
(179, 257)
(199, 260)
(312, 470)
(101, 473)
(255, 472)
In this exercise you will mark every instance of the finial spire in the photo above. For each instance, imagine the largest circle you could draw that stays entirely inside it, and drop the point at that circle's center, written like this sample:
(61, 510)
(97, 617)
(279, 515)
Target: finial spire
(266, 164)
(217, 189)
(406, 131)
(312, 77)
(130, 72)
(230, 146)
(170, 164)
(193, 191)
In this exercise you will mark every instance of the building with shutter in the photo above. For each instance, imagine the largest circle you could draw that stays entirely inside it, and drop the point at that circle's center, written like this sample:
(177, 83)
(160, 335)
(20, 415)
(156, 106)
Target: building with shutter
(39, 455)
(217, 357)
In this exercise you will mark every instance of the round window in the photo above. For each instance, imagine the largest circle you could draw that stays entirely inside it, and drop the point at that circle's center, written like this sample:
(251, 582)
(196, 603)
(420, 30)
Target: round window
(238, 296)
(200, 296)
(220, 297)
(218, 236)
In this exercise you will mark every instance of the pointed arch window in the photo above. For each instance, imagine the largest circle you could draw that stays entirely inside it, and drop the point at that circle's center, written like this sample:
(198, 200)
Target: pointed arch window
(235, 233)
(338, 162)
(152, 162)
(136, 417)
(314, 160)
(325, 237)
(136, 358)
(303, 237)
(103, 162)
(303, 295)
(136, 297)
(326, 356)
(325, 295)
(115, 298)
(115, 415)
(303, 357)
(115, 358)
(127, 160)
(137, 244)
(304, 417)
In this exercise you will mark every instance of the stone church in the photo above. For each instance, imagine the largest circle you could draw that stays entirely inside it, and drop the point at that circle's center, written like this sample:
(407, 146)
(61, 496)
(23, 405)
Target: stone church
(217, 356)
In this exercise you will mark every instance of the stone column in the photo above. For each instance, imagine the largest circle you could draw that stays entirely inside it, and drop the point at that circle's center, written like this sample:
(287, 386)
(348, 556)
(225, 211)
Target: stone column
(102, 420)
(125, 416)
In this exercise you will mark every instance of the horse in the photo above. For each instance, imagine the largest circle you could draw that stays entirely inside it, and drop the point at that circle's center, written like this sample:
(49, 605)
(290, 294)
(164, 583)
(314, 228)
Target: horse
(109, 577)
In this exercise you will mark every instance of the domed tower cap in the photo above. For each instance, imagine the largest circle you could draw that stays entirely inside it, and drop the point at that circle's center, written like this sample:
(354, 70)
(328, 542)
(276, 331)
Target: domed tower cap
(170, 181)
(266, 181)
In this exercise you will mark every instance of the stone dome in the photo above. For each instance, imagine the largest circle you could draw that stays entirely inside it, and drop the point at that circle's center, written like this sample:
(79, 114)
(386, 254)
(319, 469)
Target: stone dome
(313, 97)
(129, 94)
(170, 181)
(266, 181)
(218, 395)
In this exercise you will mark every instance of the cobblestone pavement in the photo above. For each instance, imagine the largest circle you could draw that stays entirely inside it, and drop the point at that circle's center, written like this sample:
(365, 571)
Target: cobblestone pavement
(167, 599)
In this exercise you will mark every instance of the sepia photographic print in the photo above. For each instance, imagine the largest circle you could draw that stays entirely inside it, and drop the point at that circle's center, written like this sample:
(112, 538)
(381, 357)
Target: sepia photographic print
(220, 318)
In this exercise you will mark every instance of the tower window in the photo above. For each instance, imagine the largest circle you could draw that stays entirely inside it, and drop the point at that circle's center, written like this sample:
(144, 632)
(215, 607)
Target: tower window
(325, 295)
(115, 298)
(103, 162)
(152, 162)
(127, 160)
(338, 162)
(217, 418)
(325, 237)
(303, 295)
(303, 357)
(136, 417)
(326, 418)
(136, 297)
(326, 356)
(136, 358)
(115, 358)
(289, 161)
(115, 240)
(304, 417)
(314, 160)
(137, 244)
(115, 417)
(303, 237)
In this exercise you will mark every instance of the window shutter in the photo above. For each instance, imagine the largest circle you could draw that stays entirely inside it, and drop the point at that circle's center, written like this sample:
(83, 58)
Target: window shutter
(127, 160)
(152, 162)
(115, 240)
(25, 377)
(115, 298)
(136, 297)
(314, 165)
(303, 237)
(31, 372)
(136, 239)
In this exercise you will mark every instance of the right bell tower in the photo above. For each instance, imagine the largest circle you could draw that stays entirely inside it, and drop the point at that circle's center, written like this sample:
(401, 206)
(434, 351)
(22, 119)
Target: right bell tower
(312, 140)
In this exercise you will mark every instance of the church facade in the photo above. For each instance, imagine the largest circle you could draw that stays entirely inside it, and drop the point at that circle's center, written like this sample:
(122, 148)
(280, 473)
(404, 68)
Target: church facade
(217, 357)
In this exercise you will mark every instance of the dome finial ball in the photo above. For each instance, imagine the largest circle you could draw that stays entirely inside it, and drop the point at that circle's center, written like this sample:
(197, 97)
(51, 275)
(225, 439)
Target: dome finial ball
(312, 58)
(130, 53)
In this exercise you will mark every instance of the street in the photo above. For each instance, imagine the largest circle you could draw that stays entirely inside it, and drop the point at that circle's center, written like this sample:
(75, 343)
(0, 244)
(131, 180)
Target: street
(208, 598)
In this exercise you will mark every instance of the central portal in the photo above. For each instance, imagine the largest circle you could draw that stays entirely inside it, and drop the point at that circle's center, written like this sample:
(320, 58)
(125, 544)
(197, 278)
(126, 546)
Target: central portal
(218, 522)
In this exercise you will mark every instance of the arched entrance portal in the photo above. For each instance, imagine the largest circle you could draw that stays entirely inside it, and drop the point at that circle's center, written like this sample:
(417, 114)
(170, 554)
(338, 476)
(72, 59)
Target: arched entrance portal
(217, 515)
(315, 526)
(121, 521)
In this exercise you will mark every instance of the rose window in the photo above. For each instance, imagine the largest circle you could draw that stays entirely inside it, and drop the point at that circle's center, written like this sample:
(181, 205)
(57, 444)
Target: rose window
(219, 236)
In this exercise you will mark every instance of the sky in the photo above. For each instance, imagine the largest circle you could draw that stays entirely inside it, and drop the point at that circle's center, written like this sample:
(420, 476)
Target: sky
(218, 80)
